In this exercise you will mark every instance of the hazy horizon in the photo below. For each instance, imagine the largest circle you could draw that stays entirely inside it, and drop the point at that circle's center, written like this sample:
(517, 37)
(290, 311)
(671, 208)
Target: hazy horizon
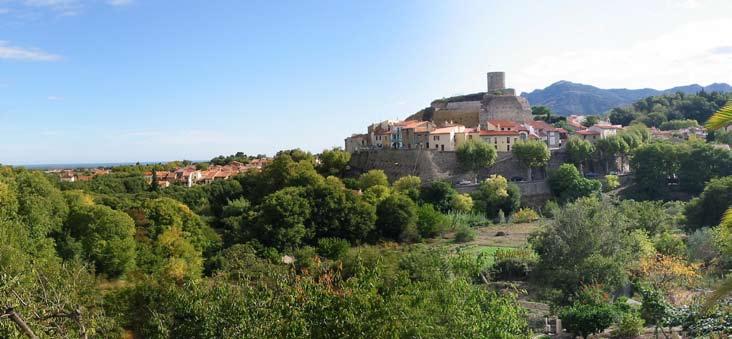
(86, 81)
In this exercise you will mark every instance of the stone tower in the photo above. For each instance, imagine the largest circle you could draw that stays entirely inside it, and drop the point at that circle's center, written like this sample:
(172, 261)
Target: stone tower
(496, 82)
(501, 103)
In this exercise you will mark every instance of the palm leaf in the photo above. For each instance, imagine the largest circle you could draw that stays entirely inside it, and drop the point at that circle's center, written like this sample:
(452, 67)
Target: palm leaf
(726, 288)
(722, 118)
(722, 291)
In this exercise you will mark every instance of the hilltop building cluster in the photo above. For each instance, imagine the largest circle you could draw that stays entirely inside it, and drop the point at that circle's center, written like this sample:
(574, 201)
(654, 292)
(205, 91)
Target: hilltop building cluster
(190, 175)
(186, 176)
(498, 116)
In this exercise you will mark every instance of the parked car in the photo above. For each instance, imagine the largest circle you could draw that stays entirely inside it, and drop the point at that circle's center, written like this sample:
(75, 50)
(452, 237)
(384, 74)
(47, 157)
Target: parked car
(465, 182)
(517, 179)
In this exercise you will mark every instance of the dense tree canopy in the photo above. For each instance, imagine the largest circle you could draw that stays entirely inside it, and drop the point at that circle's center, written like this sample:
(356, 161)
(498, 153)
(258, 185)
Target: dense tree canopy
(532, 153)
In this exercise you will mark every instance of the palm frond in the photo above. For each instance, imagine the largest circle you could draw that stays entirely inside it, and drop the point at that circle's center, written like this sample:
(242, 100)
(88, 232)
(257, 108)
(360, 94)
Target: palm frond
(726, 287)
(727, 217)
(722, 118)
(722, 291)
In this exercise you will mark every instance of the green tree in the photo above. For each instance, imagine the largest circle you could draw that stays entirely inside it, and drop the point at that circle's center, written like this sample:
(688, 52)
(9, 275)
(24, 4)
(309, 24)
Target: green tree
(700, 162)
(708, 209)
(579, 151)
(395, 215)
(408, 185)
(99, 234)
(154, 184)
(476, 154)
(609, 148)
(532, 154)
(622, 116)
(372, 178)
(282, 217)
(587, 242)
(338, 212)
(590, 120)
(567, 184)
(430, 222)
(653, 164)
(496, 194)
(439, 193)
(333, 162)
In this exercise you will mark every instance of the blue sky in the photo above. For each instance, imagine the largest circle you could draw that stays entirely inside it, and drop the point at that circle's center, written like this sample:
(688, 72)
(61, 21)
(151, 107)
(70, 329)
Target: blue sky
(142, 80)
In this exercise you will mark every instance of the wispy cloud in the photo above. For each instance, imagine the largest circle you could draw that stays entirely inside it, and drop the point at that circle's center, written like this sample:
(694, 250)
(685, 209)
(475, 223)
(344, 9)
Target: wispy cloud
(119, 2)
(65, 7)
(11, 52)
(4, 11)
(54, 98)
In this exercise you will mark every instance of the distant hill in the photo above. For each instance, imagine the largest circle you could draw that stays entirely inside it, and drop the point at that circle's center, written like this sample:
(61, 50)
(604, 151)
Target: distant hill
(565, 97)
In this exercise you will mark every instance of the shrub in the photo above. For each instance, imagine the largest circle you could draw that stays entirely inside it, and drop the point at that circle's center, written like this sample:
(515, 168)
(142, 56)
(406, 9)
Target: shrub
(700, 245)
(611, 182)
(333, 248)
(550, 209)
(586, 319)
(430, 222)
(464, 234)
(514, 263)
(630, 325)
(670, 244)
(525, 215)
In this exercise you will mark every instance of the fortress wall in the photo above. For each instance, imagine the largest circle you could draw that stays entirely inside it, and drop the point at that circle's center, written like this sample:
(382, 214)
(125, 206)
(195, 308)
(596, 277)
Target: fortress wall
(432, 165)
(467, 117)
(464, 105)
(435, 165)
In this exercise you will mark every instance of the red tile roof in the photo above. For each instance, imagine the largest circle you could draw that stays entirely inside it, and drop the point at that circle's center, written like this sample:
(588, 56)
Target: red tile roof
(497, 133)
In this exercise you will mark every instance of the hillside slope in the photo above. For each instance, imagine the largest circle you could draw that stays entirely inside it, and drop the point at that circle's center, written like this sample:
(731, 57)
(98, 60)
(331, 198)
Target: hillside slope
(565, 97)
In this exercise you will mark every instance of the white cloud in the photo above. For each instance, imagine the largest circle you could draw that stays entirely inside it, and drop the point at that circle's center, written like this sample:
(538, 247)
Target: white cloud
(693, 53)
(54, 98)
(10, 52)
(119, 2)
(64, 7)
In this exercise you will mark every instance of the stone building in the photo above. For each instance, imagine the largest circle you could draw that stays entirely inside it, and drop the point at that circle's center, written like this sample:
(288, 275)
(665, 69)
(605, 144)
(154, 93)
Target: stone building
(501, 103)
(497, 103)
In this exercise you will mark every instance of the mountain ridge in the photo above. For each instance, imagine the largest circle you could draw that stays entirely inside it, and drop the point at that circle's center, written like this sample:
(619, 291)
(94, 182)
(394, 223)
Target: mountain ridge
(566, 97)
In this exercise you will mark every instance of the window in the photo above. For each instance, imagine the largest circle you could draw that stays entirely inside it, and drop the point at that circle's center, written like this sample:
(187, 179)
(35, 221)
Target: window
(470, 137)
(515, 139)
(508, 140)
(508, 148)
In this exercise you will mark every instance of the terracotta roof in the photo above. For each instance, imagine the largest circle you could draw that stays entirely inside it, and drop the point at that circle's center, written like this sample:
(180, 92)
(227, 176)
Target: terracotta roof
(504, 123)
(542, 125)
(445, 130)
(608, 126)
(496, 133)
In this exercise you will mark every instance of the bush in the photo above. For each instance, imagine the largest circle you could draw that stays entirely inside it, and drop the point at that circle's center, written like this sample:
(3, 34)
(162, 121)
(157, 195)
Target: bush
(586, 319)
(525, 215)
(464, 234)
(430, 222)
(700, 245)
(333, 248)
(550, 209)
(514, 263)
(630, 325)
(611, 182)
(670, 244)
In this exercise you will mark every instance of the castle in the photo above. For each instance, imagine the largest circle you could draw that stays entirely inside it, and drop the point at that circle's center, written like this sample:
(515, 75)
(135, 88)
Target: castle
(497, 103)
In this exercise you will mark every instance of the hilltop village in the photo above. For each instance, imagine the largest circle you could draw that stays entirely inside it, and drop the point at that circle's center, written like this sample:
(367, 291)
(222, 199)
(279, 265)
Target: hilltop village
(498, 116)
